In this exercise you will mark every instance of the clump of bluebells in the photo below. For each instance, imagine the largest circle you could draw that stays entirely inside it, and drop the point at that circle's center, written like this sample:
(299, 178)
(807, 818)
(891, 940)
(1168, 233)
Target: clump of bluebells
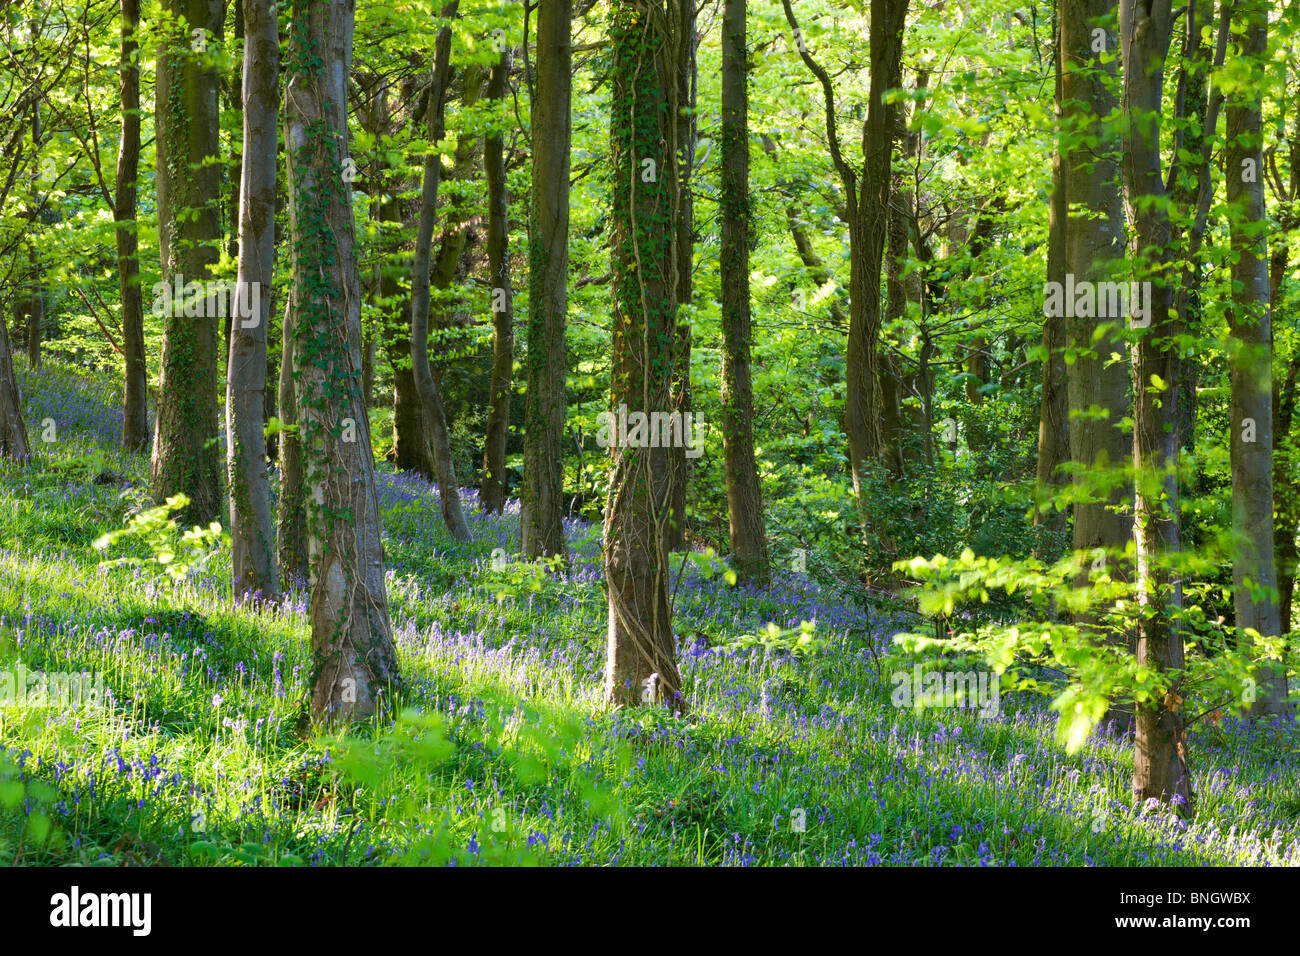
(794, 752)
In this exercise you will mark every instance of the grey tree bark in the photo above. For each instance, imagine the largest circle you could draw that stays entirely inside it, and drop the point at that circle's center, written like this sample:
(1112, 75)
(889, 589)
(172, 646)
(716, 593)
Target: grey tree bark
(542, 506)
(1054, 406)
(1160, 768)
(1094, 248)
(135, 411)
(291, 516)
(867, 207)
(355, 661)
(493, 492)
(435, 420)
(748, 532)
(252, 536)
(1250, 353)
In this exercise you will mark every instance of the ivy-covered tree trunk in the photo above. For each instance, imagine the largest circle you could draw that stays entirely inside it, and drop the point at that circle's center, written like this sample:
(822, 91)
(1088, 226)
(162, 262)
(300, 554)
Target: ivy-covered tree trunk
(542, 507)
(1054, 405)
(435, 419)
(493, 492)
(186, 452)
(253, 545)
(682, 106)
(640, 662)
(1250, 353)
(356, 665)
(1098, 387)
(748, 532)
(1160, 768)
(291, 516)
(135, 410)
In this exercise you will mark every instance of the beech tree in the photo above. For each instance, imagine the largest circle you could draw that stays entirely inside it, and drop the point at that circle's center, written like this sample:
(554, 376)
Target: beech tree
(253, 547)
(1160, 769)
(1254, 571)
(744, 492)
(1054, 406)
(1097, 384)
(866, 205)
(135, 411)
(493, 493)
(435, 420)
(186, 455)
(356, 664)
(542, 505)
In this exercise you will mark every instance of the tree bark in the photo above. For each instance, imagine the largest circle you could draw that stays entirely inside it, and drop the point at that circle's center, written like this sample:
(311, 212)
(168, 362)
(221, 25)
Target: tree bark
(1094, 248)
(435, 420)
(1254, 571)
(640, 663)
(35, 305)
(1160, 768)
(1054, 405)
(291, 516)
(135, 402)
(356, 665)
(1286, 488)
(186, 457)
(545, 403)
(13, 431)
(682, 107)
(493, 492)
(748, 531)
(867, 208)
(253, 546)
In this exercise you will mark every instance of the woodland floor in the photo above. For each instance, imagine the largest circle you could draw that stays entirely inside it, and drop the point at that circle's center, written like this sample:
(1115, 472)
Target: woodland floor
(506, 754)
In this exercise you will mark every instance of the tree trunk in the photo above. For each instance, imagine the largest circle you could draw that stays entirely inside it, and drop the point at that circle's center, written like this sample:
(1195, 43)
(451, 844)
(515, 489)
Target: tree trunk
(1054, 405)
(493, 491)
(135, 411)
(1185, 184)
(291, 517)
(744, 492)
(235, 171)
(426, 387)
(1286, 488)
(35, 307)
(253, 547)
(1160, 769)
(13, 431)
(640, 662)
(356, 665)
(1254, 571)
(1093, 249)
(545, 405)
(410, 445)
(867, 208)
(682, 107)
(186, 456)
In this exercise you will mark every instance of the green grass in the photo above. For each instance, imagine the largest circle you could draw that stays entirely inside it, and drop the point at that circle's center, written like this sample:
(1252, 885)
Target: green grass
(506, 754)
